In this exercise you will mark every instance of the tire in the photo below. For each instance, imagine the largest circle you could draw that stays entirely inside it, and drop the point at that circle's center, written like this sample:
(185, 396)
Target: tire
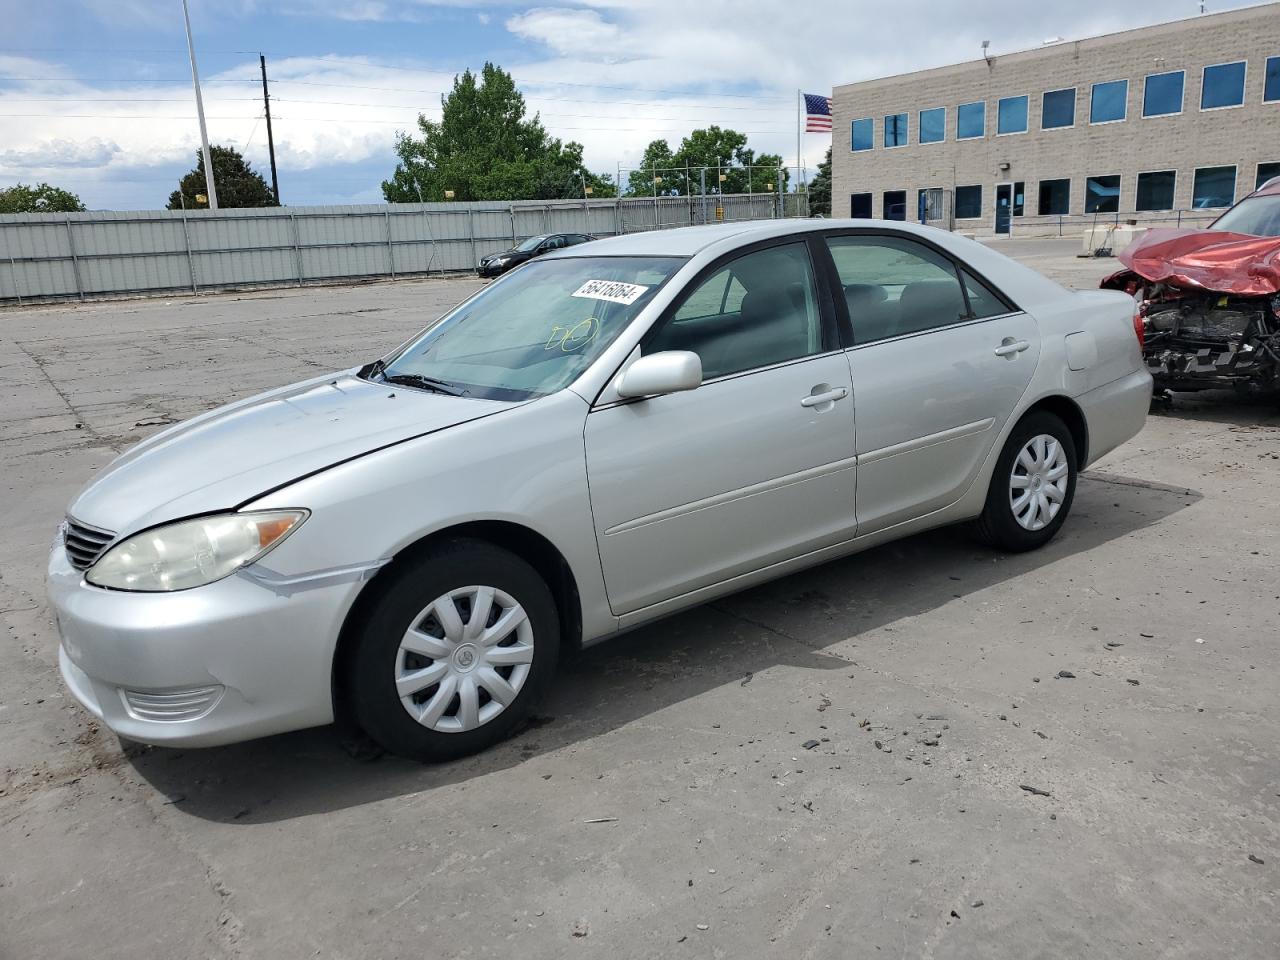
(1034, 524)
(446, 655)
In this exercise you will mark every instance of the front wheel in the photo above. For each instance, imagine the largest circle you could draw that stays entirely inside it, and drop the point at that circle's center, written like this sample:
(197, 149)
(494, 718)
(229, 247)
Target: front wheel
(1032, 487)
(457, 648)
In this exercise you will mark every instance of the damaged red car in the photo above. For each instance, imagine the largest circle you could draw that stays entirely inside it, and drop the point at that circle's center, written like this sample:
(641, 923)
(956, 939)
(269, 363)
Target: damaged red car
(1209, 300)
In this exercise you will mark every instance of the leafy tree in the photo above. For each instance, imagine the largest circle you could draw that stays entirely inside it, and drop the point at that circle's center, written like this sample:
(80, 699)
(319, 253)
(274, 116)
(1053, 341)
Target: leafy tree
(238, 185)
(820, 189)
(602, 185)
(41, 198)
(718, 149)
(658, 161)
(485, 148)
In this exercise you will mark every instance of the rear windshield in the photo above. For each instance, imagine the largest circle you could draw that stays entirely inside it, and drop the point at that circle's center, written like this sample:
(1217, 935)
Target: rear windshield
(1258, 216)
(535, 330)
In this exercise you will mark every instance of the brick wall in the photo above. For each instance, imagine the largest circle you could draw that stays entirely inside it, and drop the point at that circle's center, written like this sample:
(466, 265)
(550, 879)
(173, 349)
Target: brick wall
(1242, 136)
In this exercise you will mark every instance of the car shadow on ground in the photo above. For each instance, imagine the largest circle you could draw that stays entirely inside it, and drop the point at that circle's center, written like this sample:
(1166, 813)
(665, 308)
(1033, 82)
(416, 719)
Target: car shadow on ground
(1220, 406)
(787, 622)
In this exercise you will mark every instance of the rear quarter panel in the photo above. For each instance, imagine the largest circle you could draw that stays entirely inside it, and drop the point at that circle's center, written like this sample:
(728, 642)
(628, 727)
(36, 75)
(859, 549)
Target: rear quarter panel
(1088, 340)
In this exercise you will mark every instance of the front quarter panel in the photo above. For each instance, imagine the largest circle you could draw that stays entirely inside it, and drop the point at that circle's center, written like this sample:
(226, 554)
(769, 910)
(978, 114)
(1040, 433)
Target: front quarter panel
(524, 466)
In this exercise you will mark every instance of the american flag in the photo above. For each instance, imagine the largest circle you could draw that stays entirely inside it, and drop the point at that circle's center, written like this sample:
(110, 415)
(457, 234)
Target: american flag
(817, 109)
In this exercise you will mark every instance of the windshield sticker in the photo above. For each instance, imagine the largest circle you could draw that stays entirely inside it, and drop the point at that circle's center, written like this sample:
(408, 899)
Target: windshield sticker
(612, 290)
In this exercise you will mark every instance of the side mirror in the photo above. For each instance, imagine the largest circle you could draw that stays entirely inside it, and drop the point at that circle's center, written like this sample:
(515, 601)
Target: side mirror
(668, 372)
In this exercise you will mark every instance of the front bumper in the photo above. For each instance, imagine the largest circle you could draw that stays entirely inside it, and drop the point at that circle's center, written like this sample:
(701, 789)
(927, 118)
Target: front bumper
(230, 661)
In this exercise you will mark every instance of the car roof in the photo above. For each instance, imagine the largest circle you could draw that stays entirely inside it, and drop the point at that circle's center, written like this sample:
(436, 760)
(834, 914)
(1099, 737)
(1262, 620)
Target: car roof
(702, 244)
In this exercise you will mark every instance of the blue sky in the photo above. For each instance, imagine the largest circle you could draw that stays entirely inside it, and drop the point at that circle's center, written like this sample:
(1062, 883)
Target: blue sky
(95, 95)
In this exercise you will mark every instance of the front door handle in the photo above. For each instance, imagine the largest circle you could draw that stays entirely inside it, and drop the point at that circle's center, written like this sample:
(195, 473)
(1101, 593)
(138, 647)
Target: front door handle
(1009, 346)
(817, 399)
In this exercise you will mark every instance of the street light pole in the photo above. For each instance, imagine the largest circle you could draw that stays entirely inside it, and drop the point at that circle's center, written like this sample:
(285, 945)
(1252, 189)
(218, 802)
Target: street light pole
(204, 133)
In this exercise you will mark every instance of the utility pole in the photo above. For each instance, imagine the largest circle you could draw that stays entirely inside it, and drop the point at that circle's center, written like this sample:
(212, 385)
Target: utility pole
(271, 141)
(210, 189)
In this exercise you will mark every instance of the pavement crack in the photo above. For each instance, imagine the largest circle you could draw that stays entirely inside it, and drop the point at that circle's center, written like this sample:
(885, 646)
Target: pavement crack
(39, 365)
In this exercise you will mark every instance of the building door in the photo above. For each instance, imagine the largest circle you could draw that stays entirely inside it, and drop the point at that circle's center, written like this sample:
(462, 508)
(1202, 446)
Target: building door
(1004, 207)
(860, 206)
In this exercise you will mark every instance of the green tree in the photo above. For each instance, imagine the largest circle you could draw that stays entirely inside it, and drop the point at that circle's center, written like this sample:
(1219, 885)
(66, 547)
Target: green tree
(238, 184)
(602, 185)
(485, 148)
(658, 161)
(722, 152)
(820, 189)
(41, 198)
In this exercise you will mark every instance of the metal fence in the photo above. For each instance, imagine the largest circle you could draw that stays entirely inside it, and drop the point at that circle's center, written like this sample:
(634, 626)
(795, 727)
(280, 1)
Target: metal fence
(1074, 224)
(83, 255)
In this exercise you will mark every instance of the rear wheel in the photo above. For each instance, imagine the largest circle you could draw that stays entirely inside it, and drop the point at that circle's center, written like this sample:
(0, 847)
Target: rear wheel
(1032, 487)
(459, 647)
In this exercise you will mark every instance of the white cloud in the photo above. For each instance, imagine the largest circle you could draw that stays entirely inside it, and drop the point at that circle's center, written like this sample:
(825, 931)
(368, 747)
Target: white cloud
(611, 74)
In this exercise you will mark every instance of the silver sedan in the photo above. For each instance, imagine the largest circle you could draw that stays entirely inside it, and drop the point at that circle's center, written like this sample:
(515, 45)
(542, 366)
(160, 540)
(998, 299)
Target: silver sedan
(603, 437)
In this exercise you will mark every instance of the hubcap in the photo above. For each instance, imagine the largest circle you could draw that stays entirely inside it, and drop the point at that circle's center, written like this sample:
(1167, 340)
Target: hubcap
(1038, 483)
(464, 659)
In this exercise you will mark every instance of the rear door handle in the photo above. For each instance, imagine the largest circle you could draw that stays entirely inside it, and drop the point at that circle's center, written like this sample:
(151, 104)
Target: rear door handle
(1009, 346)
(817, 399)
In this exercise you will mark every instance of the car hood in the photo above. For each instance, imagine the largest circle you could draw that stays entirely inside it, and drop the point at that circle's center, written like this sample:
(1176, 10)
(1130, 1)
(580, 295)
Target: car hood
(513, 252)
(235, 453)
(1215, 260)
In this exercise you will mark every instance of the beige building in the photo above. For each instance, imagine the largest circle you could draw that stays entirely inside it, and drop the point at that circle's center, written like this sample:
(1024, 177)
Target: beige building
(1162, 124)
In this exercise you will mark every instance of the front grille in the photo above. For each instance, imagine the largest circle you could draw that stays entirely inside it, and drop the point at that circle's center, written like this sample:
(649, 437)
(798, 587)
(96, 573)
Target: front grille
(84, 544)
(172, 706)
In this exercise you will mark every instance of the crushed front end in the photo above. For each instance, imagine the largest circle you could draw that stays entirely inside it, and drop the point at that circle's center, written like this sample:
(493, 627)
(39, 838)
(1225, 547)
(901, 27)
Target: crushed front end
(1210, 308)
(1200, 340)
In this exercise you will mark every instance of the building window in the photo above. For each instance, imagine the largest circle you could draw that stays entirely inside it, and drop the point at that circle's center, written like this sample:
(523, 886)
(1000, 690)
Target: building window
(1055, 197)
(1155, 190)
(895, 130)
(1019, 198)
(1271, 85)
(1102, 195)
(1267, 171)
(1214, 187)
(860, 206)
(1110, 101)
(933, 125)
(1222, 86)
(862, 136)
(1011, 115)
(895, 204)
(969, 202)
(971, 120)
(1058, 109)
(1162, 94)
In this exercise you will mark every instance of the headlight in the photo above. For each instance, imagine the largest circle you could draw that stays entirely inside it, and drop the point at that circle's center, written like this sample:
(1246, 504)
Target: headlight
(192, 553)
(498, 261)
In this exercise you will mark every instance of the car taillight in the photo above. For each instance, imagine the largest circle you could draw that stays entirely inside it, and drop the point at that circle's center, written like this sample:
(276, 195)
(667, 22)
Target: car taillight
(1139, 326)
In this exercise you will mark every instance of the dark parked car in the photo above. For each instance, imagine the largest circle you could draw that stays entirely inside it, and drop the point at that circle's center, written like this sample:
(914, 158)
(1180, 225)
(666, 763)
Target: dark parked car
(1210, 299)
(497, 263)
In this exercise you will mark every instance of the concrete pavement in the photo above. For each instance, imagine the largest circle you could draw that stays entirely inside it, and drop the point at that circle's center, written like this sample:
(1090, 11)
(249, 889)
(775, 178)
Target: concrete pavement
(1159, 755)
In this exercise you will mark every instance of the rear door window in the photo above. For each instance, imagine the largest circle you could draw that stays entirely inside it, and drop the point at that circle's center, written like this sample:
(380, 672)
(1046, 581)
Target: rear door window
(894, 286)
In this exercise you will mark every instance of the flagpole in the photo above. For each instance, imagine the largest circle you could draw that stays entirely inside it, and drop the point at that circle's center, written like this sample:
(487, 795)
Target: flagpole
(799, 134)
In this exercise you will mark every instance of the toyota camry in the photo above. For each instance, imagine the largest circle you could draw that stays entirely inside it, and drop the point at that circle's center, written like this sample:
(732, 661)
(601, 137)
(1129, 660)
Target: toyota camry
(610, 434)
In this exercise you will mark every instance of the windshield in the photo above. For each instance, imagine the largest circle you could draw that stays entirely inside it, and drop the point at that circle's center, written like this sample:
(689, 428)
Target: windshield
(1258, 216)
(531, 244)
(535, 330)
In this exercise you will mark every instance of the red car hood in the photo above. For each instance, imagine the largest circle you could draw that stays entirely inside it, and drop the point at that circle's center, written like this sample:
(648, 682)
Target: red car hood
(1208, 259)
